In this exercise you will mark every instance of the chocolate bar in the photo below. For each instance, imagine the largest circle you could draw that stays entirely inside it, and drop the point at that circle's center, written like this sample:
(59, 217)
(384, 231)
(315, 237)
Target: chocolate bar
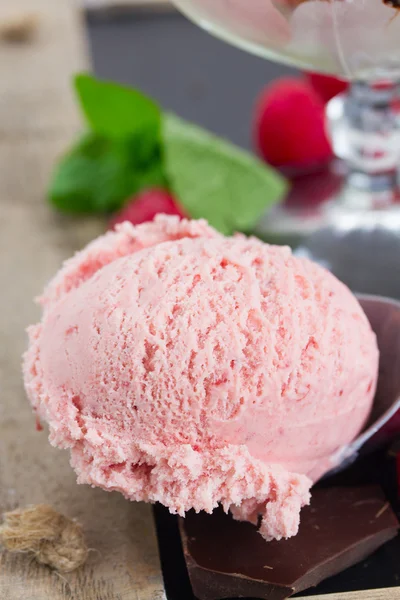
(230, 559)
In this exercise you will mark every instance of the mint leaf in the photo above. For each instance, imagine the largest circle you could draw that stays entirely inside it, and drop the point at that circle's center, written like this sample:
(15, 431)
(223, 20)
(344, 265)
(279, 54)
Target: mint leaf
(98, 175)
(116, 111)
(132, 146)
(213, 179)
(119, 158)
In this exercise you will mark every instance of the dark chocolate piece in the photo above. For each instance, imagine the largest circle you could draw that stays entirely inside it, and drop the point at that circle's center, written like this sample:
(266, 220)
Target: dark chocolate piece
(392, 3)
(230, 559)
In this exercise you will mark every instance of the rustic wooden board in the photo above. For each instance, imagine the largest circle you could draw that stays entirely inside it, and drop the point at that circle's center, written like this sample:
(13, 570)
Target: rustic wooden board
(37, 120)
(383, 594)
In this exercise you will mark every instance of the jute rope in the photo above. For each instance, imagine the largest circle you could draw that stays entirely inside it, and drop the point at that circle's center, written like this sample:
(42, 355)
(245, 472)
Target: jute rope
(52, 538)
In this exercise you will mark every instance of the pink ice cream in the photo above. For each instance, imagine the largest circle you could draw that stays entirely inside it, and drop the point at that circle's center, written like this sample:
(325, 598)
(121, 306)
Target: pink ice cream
(183, 367)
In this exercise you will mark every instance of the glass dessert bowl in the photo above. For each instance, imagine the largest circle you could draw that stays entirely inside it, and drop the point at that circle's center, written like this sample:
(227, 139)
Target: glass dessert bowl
(355, 40)
(352, 39)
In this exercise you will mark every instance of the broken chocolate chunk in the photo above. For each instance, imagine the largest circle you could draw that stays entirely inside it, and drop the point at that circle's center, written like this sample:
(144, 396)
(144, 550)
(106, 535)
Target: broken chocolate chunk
(392, 3)
(230, 559)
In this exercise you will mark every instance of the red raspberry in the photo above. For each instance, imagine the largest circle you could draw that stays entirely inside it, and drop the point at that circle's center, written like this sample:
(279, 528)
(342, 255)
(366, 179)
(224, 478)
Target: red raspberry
(146, 205)
(325, 86)
(289, 127)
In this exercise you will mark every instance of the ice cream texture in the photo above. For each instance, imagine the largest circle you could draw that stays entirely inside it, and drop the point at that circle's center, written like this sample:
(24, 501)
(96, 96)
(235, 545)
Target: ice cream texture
(183, 367)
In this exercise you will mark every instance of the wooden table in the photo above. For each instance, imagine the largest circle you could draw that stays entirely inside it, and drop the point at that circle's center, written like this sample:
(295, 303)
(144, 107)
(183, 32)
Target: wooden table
(37, 120)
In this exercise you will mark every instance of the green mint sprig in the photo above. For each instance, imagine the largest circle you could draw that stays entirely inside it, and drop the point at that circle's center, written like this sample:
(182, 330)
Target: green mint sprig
(131, 145)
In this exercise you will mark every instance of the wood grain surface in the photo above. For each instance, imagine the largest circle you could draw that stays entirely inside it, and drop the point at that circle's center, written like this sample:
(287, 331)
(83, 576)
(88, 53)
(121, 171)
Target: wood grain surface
(37, 120)
(382, 594)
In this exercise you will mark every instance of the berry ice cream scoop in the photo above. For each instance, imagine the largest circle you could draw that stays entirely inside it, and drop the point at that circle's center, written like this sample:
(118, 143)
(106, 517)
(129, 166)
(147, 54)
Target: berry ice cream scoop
(183, 367)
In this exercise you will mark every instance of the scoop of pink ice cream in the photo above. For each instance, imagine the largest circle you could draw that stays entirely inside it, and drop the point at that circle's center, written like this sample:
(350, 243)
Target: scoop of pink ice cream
(191, 369)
